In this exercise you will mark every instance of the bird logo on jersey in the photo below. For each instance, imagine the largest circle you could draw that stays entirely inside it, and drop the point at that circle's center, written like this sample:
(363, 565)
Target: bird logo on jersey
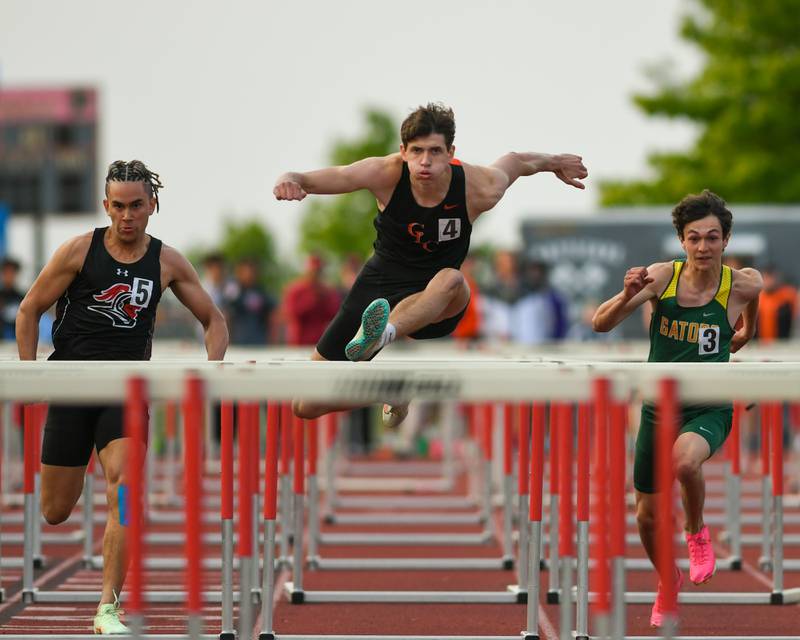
(122, 302)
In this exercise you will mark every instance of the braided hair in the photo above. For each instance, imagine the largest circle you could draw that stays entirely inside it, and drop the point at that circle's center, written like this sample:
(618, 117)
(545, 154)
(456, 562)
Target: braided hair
(134, 171)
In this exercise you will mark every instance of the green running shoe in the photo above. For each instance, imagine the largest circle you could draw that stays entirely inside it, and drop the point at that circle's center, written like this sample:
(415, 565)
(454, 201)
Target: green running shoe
(367, 340)
(107, 621)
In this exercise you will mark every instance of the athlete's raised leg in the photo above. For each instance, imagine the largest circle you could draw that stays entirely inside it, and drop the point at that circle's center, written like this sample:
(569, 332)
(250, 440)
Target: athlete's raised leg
(310, 410)
(688, 454)
(445, 296)
(61, 488)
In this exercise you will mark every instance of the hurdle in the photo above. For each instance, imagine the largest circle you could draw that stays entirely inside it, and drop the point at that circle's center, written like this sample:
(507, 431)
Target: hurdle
(506, 561)
(668, 403)
(230, 383)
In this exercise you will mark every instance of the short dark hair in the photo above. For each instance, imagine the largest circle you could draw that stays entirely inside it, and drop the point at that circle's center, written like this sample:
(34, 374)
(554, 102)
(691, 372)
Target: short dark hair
(698, 206)
(10, 263)
(214, 257)
(134, 171)
(432, 118)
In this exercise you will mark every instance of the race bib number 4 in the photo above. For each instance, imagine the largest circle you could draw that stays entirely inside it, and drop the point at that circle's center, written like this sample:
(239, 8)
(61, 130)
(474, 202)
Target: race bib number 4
(708, 340)
(449, 229)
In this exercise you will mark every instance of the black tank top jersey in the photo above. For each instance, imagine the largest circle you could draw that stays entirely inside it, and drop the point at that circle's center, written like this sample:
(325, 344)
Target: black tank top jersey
(108, 312)
(424, 239)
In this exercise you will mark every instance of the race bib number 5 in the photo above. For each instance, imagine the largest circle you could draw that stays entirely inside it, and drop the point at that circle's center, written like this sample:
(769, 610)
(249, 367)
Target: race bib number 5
(142, 292)
(708, 340)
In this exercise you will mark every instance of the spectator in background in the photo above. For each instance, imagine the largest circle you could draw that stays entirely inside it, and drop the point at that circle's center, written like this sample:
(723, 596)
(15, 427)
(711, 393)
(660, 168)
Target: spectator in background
(469, 329)
(215, 280)
(777, 307)
(501, 296)
(10, 297)
(540, 315)
(309, 305)
(249, 306)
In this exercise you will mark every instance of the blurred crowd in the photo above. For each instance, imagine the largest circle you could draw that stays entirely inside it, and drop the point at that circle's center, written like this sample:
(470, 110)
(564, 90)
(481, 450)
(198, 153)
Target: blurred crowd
(513, 301)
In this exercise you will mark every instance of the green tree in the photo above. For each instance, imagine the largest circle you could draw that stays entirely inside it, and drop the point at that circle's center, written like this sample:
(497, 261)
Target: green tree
(745, 102)
(342, 225)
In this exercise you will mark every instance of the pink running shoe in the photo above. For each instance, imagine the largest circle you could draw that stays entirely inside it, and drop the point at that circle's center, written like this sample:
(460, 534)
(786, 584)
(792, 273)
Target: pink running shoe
(702, 562)
(657, 613)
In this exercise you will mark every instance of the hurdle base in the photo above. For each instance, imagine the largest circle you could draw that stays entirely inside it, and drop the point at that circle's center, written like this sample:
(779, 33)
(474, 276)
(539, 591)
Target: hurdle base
(542, 564)
(776, 597)
(29, 595)
(2, 595)
(266, 636)
(229, 635)
(312, 562)
(735, 563)
(296, 596)
(508, 563)
(522, 594)
(553, 597)
(255, 595)
(765, 564)
(38, 562)
(530, 636)
(329, 519)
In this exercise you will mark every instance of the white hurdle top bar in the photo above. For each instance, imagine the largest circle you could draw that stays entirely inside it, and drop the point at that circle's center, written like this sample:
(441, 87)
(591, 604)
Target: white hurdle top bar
(400, 380)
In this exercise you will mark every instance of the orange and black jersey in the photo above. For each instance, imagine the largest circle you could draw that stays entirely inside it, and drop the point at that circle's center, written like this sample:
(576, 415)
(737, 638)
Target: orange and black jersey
(424, 239)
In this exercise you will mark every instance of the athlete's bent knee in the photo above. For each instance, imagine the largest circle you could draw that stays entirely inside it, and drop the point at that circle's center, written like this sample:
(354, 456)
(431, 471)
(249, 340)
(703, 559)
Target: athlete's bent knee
(645, 517)
(55, 513)
(451, 281)
(686, 470)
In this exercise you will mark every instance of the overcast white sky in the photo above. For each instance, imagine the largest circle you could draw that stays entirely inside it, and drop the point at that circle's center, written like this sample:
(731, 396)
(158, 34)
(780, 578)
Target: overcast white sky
(220, 98)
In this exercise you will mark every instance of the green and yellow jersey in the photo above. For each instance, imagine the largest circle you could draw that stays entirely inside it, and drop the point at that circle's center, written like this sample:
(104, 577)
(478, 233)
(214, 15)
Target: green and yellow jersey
(686, 334)
(691, 334)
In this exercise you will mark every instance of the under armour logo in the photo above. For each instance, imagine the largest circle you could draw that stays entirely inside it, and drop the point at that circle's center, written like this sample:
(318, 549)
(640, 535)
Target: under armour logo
(122, 272)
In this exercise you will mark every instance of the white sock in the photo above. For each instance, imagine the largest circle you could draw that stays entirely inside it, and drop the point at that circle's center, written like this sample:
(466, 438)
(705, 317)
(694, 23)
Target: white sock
(388, 336)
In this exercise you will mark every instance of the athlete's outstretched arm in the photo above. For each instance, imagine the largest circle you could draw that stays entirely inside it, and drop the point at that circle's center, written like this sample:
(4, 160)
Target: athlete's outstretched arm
(487, 185)
(640, 285)
(51, 282)
(186, 286)
(747, 285)
(375, 174)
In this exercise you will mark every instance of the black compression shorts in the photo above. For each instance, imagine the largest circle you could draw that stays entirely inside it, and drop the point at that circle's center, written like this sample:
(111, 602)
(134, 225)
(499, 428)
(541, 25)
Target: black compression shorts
(378, 280)
(72, 430)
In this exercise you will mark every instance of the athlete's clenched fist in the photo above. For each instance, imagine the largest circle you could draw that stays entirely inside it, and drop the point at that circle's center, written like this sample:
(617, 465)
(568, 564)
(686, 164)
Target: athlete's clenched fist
(288, 190)
(636, 279)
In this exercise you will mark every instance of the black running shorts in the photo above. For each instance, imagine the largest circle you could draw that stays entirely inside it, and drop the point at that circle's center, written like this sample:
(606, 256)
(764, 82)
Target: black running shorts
(377, 280)
(72, 430)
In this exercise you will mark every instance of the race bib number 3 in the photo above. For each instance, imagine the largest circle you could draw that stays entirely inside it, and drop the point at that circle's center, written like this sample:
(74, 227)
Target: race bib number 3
(708, 340)
(449, 229)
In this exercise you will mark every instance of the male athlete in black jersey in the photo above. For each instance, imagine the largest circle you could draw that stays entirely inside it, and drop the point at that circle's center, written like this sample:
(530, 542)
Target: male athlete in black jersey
(427, 203)
(107, 284)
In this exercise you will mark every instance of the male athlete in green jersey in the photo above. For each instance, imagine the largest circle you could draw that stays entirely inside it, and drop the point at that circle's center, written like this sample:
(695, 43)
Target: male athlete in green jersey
(696, 304)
